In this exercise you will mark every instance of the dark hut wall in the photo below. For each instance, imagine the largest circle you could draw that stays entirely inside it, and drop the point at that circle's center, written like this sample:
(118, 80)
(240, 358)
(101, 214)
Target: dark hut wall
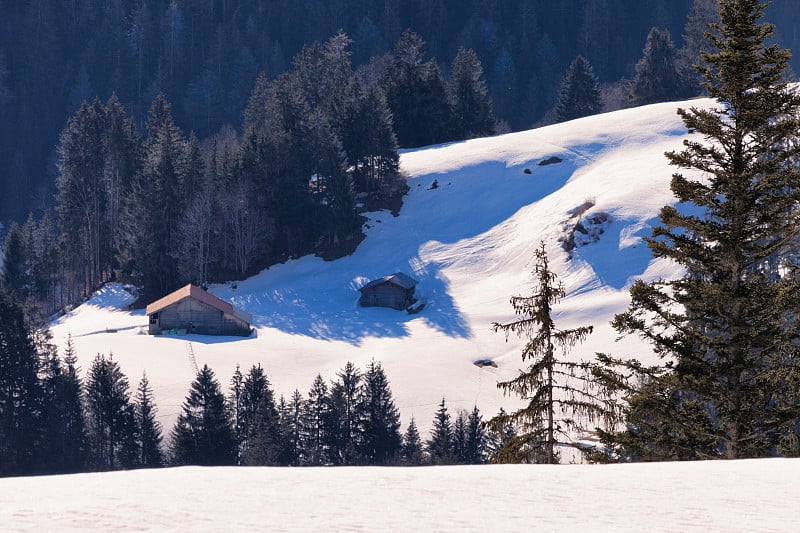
(193, 316)
(385, 294)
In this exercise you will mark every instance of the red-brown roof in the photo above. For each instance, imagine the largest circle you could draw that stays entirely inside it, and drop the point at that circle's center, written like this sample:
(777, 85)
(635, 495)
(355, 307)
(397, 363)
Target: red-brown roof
(191, 291)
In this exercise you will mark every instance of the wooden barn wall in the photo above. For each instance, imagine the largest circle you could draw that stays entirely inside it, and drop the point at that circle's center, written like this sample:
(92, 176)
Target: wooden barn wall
(191, 312)
(386, 295)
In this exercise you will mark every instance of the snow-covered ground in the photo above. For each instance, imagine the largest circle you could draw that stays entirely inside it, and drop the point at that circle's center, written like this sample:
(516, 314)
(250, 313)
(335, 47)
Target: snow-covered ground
(469, 242)
(752, 495)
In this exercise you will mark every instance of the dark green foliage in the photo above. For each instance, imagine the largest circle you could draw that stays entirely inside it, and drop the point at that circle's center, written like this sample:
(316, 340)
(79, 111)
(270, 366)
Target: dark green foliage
(14, 273)
(476, 439)
(317, 423)
(657, 78)
(65, 445)
(469, 97)
(440, 446)
(345, 399)
(21, 394)
(152, 211)
(416, 94)
(380, 420)
(149, 427)
(291, 415)
(560, 395)
(259, 421)
(580, 93)
(412, 452)
(267, 442)
(82, 200)
(727, 329)
(203, 434)
(110, 416)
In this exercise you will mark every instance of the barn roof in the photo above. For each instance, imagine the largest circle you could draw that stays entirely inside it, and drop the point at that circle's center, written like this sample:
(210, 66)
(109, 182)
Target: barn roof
(398, 278)
(198, 293)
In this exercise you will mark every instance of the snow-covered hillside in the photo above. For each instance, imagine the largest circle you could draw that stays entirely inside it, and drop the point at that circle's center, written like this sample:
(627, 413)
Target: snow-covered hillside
(753, 495)
(469, 241)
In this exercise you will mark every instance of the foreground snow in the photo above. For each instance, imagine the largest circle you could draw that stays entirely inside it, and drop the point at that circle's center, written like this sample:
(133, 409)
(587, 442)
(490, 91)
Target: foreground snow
(751, 495)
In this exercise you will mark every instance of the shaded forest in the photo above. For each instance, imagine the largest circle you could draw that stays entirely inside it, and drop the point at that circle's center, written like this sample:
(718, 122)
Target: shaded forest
(206, 55)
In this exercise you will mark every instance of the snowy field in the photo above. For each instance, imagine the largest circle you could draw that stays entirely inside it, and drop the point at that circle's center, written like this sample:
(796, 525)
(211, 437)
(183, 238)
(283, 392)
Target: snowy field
(469, 242)
(730, 496)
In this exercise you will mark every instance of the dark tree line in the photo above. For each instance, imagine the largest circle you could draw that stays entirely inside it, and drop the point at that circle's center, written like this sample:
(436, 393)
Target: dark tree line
(205, 56)
(52, 421)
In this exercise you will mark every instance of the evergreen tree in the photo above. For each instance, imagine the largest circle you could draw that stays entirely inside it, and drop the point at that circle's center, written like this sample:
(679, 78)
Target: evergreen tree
(460, 438)
(416, 94)
(316, 423)
(149, 427)
(82, 197)
(440, 446)
(475, 452)
(66, 446)
(345, 398)
(110, 415)
(559, 394)
(14, 269)
(580, 93)
(727, 328)
(496, 439)
(152, 212)
(412, 452)
(21, 394)
(701, 15)
(236, 412)
(469, 97)
(370, 143)
(657, 78)
(291, 414)
(380, 420)
(203, 434)
(259, 420)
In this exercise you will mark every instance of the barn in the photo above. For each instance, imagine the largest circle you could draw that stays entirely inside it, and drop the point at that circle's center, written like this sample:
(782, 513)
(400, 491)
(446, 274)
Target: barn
(395, 291)
(192, 309)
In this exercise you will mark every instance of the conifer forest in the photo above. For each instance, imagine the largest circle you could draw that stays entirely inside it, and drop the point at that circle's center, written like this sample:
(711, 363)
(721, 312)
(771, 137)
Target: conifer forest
(162, 142)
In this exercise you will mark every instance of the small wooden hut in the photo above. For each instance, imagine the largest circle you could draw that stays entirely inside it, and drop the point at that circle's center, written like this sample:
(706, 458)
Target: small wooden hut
(192, 309)
(395, 291)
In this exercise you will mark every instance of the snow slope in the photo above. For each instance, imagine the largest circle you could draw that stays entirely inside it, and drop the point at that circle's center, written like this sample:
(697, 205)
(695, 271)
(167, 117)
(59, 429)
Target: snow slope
(752, 495)
(469, 242)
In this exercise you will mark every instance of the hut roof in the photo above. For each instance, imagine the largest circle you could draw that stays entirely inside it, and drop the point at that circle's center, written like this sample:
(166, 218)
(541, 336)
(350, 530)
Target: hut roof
(398, 278)
(198, 293)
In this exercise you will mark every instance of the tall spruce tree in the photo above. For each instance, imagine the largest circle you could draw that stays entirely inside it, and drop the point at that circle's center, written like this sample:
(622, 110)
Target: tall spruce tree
(380, 420)
(21, 394)
(727, 329)
(469, 97)
(657, 77)
(316, 422)
(440, 446)
(580, 92)
(149, 426)
(412, 453)
(559, 393)
(259, 424)
(203, 434)
(110, 415)
(345, 398)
